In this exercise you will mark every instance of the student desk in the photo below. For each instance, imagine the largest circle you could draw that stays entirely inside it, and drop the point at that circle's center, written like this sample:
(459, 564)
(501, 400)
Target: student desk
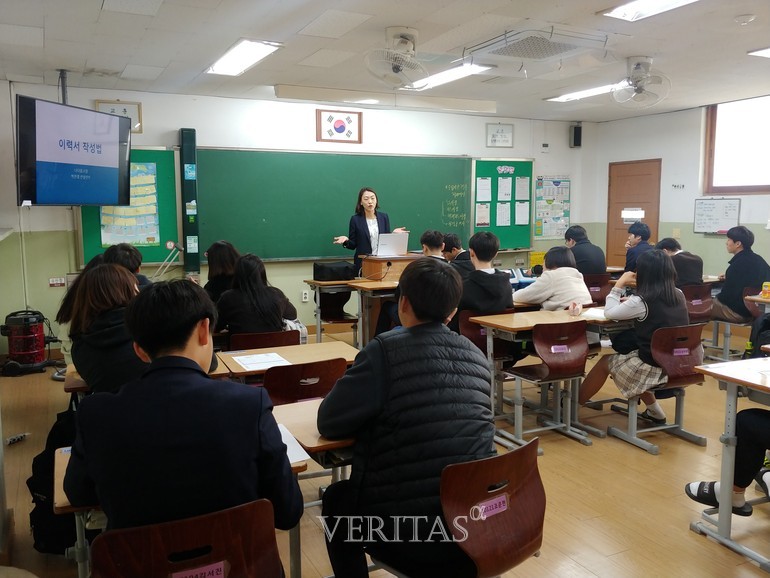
(79, 552)
(291, 353)
(759, 300)
(319, 287)
(754, 376)
(507, 326)
(369, 294)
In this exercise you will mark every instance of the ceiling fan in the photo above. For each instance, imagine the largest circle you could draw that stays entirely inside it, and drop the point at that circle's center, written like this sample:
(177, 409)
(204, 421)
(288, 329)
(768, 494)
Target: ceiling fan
(643, 87)
(396, 65)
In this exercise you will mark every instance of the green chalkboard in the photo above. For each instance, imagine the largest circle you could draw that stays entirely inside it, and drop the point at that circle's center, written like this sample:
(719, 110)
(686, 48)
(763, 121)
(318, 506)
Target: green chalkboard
(290, 205)
(503, 200)
(153, 179)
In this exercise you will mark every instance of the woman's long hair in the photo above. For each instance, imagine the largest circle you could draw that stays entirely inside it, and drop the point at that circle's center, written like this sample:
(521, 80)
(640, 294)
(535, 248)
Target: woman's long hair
(101, 289)
(222, 257)
(64, 315)
(656, 278)
(251, 279)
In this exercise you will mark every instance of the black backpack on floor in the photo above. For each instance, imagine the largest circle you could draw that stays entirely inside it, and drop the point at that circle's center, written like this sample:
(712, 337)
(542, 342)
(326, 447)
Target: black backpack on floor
(760, 335)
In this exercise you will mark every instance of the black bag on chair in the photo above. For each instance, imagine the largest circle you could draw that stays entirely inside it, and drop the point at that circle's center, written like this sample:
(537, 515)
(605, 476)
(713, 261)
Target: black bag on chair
(624, 341)
(337, 271)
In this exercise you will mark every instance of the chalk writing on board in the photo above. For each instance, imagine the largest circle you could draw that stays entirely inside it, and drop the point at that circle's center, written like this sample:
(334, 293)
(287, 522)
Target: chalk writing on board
(716, 215)
(453, 208)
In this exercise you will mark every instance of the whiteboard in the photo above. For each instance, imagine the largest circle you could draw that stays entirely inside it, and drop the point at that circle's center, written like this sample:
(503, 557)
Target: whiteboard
(716, 215)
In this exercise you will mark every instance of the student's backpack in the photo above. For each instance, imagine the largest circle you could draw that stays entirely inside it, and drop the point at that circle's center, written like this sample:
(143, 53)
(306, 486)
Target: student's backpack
(52, 533)
(760, 335)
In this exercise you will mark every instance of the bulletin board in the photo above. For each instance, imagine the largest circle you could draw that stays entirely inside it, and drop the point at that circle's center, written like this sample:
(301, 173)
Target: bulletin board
(716, 215)
(502, 201)
(150, 221)
(552, 207)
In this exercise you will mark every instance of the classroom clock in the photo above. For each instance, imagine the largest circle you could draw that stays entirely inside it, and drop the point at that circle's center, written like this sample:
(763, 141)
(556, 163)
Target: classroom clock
(500, 135)
(338, 126)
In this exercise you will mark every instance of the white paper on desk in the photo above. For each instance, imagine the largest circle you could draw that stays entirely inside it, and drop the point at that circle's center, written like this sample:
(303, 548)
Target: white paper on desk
(593, 313)
(294, 451)
(261, 361)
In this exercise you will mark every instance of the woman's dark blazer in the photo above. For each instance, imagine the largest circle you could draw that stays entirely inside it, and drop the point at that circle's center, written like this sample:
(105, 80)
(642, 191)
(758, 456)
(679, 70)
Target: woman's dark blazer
(358, 237)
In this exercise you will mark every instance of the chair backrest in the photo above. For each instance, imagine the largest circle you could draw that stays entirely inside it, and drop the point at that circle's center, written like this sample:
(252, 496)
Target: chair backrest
(598, 285)
(290, 383)
(500, 503)
(241, 538)
(756, 309)
(475, 332)
(563, 347)
(699, 301)
(678, 349)
(240, 341)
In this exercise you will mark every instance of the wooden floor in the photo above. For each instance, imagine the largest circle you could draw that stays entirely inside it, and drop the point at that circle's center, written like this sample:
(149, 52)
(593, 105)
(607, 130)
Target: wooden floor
(613, 510)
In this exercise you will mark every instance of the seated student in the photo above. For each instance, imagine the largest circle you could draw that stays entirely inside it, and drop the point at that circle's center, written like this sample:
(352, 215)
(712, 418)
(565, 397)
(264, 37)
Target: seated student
(102, 350)
(222, 257)
(456, 255)
(252, 305)
(559, 286)
(746, 269)
(175, 443)
(752, 431)
(432, 243)
(415, 400)
(64, 315)
(689, 267)
(637, 243)
(129, 257)
(656, 303)
(589, 259)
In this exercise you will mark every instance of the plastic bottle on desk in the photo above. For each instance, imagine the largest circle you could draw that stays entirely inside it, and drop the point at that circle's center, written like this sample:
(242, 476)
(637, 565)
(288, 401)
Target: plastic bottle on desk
(749, 352)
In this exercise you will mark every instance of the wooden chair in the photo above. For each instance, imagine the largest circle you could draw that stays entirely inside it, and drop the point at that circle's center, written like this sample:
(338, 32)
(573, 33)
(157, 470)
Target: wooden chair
(725, 353)
(677, 350)
(598, 285)
(241, 341)
(331, 307)
(292, 383)
(563, 349)
(501, 502)
(699, 301)
(505, 352)
(241, 538)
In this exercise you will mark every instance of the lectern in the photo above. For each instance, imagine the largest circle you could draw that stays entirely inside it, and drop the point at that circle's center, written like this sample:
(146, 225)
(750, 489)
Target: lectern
(385, 268)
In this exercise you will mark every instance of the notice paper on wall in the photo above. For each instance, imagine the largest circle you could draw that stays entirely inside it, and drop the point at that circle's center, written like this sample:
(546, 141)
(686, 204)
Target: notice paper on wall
(522, 213)
(504, 188)
(503, 214)
(484, 189)
(482, 215)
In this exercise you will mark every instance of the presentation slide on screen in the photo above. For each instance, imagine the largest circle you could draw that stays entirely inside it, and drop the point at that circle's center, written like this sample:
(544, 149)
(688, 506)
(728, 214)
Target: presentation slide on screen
(77, 154)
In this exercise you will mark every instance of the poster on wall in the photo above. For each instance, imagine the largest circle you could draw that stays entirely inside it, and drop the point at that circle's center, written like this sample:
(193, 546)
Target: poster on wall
(552, 207)
(137, 223)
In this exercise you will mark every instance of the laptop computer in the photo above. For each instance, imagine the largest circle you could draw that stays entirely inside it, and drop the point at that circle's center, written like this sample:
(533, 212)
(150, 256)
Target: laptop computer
(392, 244)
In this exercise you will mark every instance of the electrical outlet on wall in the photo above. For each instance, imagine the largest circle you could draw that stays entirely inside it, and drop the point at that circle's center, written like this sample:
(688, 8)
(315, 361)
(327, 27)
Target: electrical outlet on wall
(305, 296)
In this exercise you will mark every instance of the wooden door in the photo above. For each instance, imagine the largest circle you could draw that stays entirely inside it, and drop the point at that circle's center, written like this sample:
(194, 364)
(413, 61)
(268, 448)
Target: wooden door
(632, 184)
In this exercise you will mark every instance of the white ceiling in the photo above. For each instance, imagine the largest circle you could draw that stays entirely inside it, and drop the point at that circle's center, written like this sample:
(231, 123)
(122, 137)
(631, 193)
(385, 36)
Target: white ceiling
(169, 44)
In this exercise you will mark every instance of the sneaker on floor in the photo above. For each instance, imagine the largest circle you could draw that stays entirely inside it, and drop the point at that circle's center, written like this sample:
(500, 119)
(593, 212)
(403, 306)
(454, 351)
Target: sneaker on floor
(649, 417)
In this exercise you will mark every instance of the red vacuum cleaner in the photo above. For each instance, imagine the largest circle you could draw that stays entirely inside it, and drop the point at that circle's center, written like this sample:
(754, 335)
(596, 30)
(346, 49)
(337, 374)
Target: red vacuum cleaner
(27, 342)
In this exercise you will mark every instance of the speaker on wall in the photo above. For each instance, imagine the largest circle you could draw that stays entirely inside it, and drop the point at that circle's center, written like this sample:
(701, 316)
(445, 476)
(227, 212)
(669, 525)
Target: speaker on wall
(575, 136)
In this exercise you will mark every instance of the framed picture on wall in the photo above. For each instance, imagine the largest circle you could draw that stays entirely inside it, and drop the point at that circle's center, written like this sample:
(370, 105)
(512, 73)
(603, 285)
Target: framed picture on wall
(500, 135)
(132, 110)
(338, 126)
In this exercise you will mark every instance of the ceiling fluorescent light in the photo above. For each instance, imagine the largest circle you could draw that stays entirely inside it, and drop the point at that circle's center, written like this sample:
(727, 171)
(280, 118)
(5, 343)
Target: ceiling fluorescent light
(242, 56)
(589, 92)
(764, 52)
(640, 9)
(450, 76)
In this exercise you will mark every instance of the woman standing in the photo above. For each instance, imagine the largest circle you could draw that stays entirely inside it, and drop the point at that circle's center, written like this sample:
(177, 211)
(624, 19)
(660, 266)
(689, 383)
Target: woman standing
(252, 305)
(366, 226)
(657, 303)
(222, 257)
(102, 349)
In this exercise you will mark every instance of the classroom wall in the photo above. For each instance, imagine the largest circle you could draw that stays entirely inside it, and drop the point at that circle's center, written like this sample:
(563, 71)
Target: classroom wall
(264, 124)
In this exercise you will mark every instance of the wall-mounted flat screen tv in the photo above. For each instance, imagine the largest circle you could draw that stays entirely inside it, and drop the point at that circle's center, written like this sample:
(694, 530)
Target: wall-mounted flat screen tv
(67, 155)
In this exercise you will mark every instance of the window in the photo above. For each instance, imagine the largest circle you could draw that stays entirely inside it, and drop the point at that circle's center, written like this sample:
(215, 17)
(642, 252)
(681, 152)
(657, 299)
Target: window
(738, 147)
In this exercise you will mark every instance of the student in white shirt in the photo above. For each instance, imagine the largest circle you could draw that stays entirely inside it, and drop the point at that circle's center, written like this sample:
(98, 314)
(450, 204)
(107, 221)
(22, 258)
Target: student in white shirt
(560, 285)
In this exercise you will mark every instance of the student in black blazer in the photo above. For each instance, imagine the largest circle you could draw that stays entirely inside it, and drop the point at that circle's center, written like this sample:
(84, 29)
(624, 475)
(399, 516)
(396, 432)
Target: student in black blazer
(175, 443)
(366, 226)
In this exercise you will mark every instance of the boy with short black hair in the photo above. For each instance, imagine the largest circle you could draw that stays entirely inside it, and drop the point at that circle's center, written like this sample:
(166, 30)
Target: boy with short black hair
(638, 235)
(689, 267)
(589, 259)
(456, 255)
(159, 450)
(422, 391)
(129, 257)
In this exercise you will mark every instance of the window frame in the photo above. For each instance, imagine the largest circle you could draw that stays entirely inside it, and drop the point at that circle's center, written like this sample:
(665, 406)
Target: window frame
(710, 188)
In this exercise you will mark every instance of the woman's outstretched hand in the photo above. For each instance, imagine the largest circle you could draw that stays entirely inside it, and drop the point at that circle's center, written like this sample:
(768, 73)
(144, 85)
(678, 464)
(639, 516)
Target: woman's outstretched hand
(340, 240)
